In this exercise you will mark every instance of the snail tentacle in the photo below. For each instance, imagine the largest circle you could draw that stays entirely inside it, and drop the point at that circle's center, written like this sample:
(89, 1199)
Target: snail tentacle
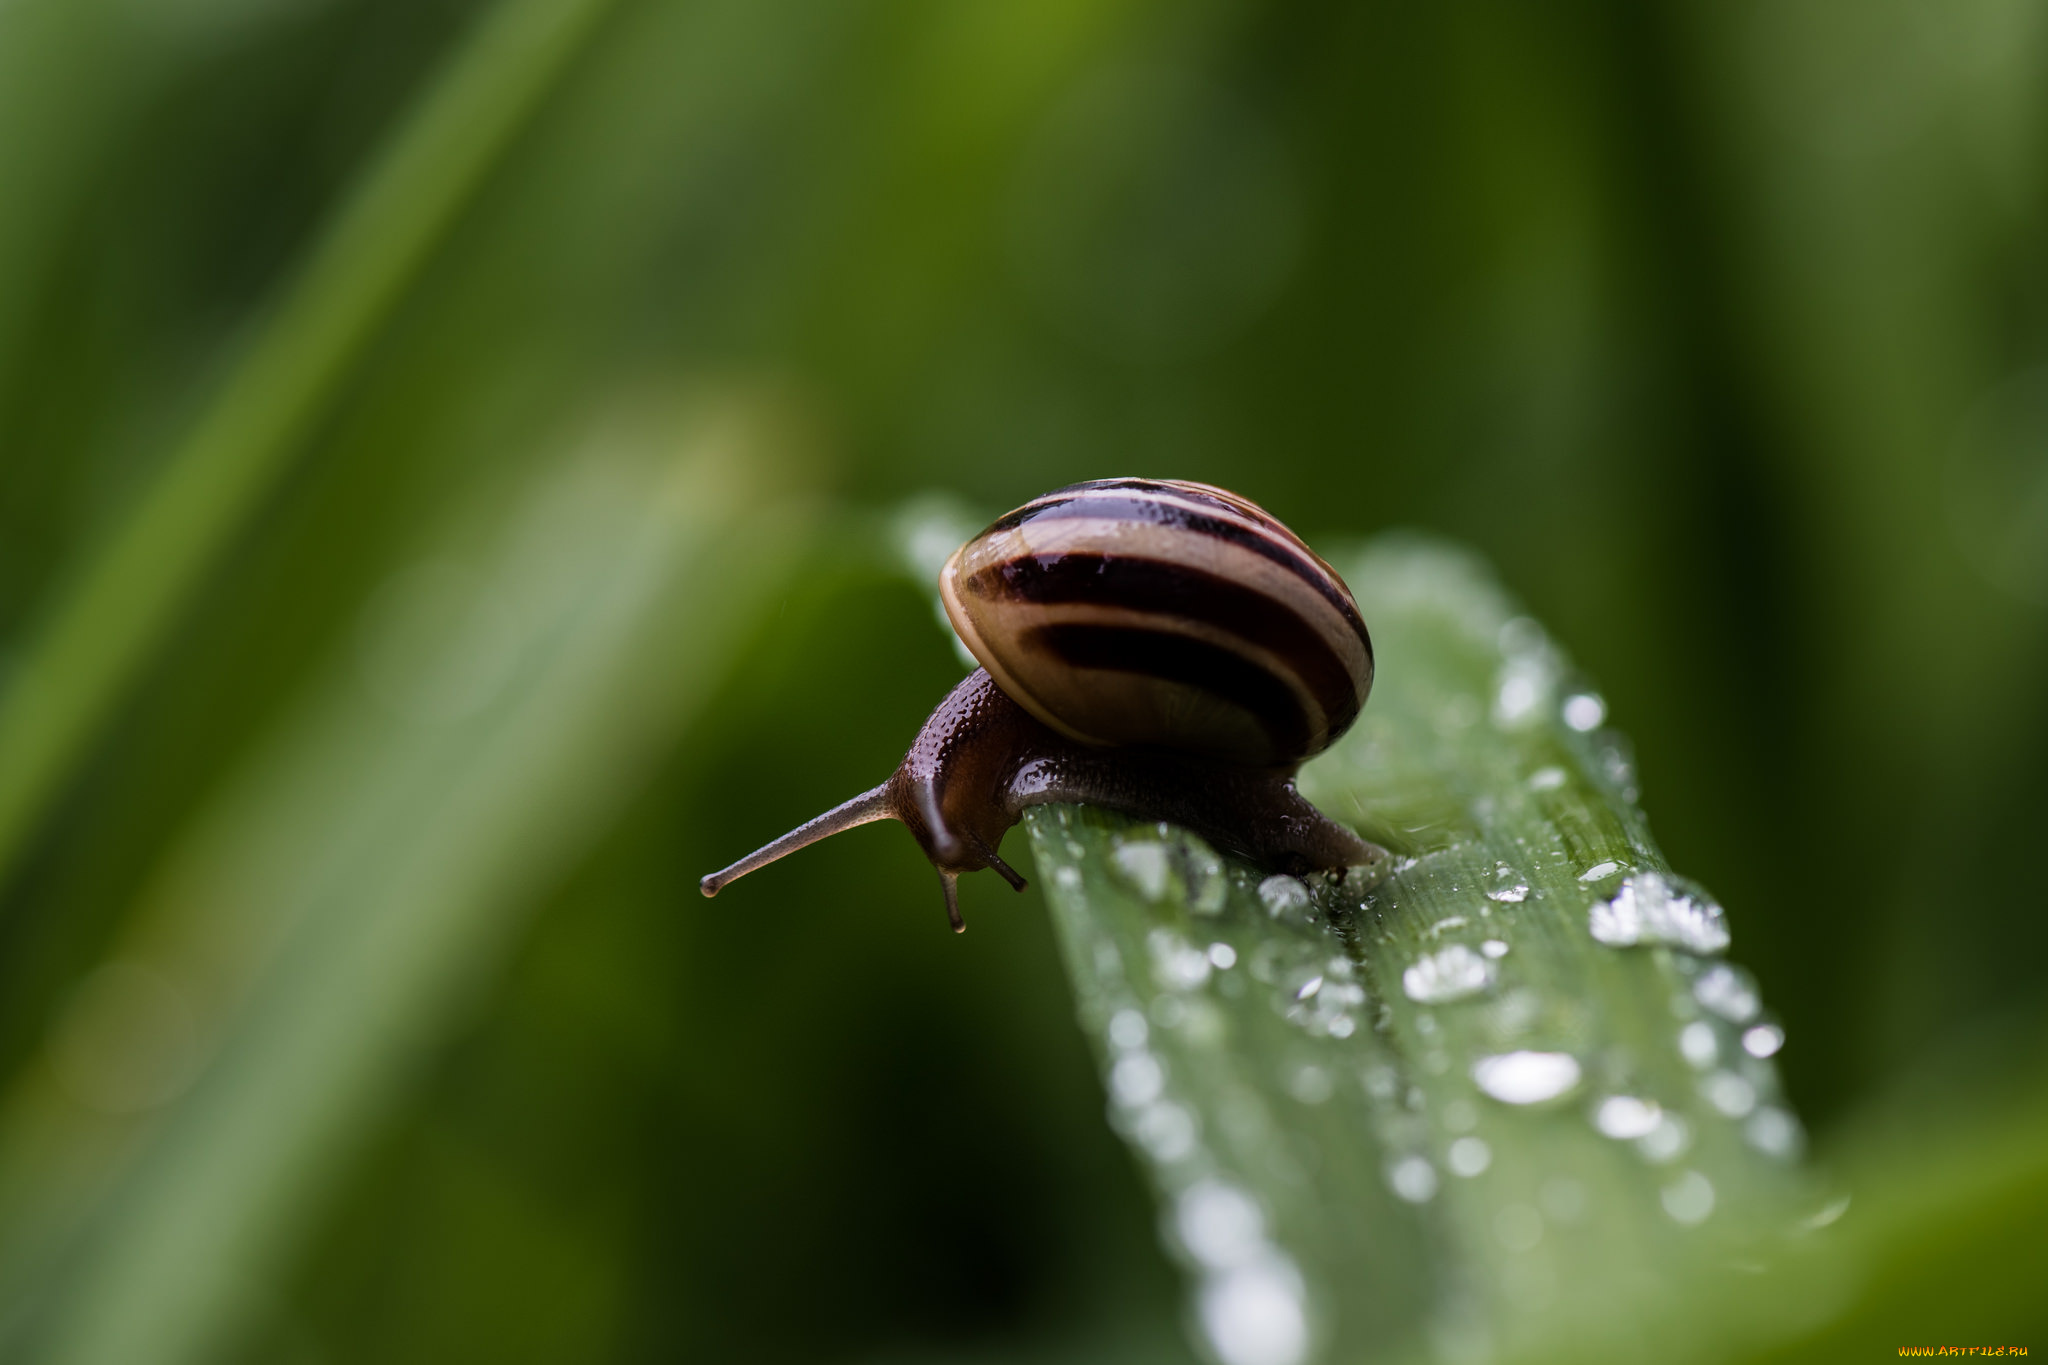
(877, 803)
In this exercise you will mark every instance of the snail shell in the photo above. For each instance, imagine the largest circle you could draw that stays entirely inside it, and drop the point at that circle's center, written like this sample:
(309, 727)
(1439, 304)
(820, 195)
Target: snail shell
(1161, 648)
(1166, 614)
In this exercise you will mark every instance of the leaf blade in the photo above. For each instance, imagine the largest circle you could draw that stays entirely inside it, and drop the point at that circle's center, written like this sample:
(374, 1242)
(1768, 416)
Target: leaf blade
(1403, 1075)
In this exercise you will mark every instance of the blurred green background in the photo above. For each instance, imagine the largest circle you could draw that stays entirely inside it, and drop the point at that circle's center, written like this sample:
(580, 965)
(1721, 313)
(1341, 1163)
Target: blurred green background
(451, 453)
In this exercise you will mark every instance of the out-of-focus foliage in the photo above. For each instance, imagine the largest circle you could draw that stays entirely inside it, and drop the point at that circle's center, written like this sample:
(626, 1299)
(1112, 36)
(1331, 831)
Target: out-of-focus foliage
(351, 1010)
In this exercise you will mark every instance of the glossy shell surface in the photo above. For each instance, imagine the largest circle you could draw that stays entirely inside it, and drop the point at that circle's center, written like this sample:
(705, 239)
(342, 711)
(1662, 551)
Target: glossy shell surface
(1163, 613)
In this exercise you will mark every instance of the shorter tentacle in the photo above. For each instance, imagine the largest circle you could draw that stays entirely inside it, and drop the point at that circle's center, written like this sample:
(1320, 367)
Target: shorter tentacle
(951, 882)
(994, 860)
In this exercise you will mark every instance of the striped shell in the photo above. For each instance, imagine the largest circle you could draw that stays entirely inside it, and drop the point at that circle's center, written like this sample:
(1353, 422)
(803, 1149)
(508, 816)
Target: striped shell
(1164, 613)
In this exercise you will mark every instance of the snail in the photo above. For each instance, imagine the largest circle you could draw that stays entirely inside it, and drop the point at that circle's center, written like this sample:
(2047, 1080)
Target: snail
(1163, 648)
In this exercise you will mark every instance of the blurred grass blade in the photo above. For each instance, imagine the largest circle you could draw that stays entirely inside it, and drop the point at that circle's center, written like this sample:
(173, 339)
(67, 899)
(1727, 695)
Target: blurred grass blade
(129, 594)
(506, 693)
(1933, 1239)
(1426, 1108)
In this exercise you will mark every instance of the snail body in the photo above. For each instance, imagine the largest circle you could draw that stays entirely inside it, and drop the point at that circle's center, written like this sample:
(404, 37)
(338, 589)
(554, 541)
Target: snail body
(1163, 648)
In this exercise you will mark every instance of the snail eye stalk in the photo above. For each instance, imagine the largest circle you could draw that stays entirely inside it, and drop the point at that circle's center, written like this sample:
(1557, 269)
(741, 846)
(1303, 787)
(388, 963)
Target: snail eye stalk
(865, 809)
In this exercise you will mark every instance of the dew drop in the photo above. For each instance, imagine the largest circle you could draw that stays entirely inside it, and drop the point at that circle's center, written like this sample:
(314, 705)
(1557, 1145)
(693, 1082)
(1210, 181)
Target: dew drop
(1254, 1315)
(1469, 1156)
(1546, 779)
(1220, 1224)
(1649, 909)
(1689, 1199)
(1310, 1085)
(1448, 974)
(1166, 1131)
(1222, 956)
(1515, 1013)
(1626, 1117)
(1729, 1093)
(1067, 878)
(1127, 1029)
(1667, 1140)
(1176, 963)
(1526, 1077)
(1525, 687)
(1208, 886)
(1510, 889)
(1521, 635)
(1143, 866)
(1614, 761)
(1283, 896)
(1136, 1080)
(1764, 1040)
(1600, 870)
(1697, 1044)
(1494, 948)
(1413, 1179)
(1584, 712)
(1728, 993)
(1774, 1132)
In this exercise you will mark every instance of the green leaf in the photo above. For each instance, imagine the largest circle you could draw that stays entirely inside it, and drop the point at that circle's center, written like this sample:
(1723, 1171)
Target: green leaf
(1467, 1100)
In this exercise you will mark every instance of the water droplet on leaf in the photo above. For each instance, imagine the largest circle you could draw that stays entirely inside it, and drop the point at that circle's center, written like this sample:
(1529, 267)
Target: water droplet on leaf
(1625, 1116)
(1584, 712)
(1764, 1040)
(1283, 896)
(1449, 974)
(1413, 1179)
(1526, 1077)
(1650, 909)
(1697, 1044)
(1728, 992)
(1142, 866)
(1469, 1156)
(1689, 1199)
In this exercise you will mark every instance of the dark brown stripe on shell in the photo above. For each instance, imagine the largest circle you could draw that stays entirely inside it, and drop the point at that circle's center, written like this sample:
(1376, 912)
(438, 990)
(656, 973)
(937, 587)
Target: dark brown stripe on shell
(1177, 591)
(1110, 507)
(1195, 663)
